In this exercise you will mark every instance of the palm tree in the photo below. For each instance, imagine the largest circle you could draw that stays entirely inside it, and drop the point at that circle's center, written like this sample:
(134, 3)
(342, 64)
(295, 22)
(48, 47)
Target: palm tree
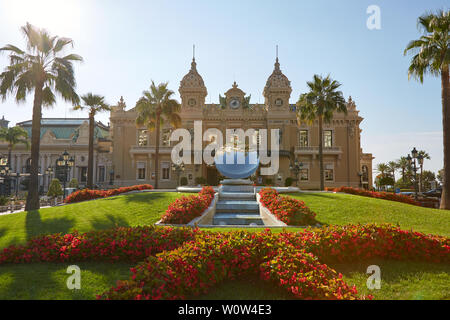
(44, 69)
(425, 156)
(383, 169)
(13, 136)
(403, 164)
(94, 104)
(392, 168)
(155, 108)
(432, 56)
(322, 100)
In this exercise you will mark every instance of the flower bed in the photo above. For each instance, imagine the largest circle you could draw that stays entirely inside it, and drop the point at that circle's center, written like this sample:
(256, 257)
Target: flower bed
(199, 265)
(290, 211)
(88, 194)
(373, 194)
(185, 209)
(182, 263)
(120, 244)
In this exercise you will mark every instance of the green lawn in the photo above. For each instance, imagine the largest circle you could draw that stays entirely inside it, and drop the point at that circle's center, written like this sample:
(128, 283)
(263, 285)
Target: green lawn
(125, 210)
(341, 209)
(47, 281)
(400, 280)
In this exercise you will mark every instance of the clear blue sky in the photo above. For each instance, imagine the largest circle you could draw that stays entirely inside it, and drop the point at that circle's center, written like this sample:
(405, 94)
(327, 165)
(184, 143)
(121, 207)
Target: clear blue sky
(125, 44)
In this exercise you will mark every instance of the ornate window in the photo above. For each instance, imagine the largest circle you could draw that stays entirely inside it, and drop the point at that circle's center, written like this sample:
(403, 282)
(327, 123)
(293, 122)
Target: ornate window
(329, 174)
(165, 168)
(365, 173)
(141, 171)
(192, 102)
(101, 174)
(327, 138)
(303, 138)
(304, 174)
(142, 137)
(279, 102)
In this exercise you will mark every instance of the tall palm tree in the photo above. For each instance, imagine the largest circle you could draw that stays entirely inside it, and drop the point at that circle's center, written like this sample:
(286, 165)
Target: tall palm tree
(392, 168)
(403, 164)
(425, 156)
(13, 136)
(155, 108)
(432, 56)
(94, 104)
(44, 69)
(322, 100)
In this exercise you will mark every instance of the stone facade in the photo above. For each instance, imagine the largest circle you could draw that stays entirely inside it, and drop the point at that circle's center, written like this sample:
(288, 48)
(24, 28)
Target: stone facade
(133, 149)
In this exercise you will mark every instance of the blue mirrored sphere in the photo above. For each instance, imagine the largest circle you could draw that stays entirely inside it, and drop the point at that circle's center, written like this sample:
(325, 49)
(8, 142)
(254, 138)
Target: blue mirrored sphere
(236, 164)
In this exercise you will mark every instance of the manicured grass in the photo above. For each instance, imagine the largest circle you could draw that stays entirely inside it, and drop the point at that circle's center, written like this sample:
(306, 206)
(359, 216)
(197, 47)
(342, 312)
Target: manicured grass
(250, 288)
(401, 280)
(341, 209)
(47, 281)
(125, 210)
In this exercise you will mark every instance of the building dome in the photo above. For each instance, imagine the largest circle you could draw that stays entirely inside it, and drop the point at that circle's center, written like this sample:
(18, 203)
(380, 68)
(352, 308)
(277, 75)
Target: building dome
(192, 80)
(277, 79)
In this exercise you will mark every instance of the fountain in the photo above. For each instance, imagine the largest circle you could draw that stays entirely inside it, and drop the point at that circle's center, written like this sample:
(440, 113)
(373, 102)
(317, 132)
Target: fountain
(237, 197)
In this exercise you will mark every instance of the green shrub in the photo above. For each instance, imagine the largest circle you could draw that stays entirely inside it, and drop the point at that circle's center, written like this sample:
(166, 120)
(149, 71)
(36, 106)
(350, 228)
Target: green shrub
(55, 189)
(200, 180)
(288, 182)
(4, 200)
(183, 181)
(73, 183)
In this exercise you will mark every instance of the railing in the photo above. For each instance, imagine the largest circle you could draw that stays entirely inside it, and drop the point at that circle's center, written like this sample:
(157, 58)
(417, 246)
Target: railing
(314, 150)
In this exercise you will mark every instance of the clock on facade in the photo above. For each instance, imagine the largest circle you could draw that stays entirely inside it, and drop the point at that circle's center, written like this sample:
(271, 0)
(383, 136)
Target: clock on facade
(279, 102)
(192, 102)
(234, 103)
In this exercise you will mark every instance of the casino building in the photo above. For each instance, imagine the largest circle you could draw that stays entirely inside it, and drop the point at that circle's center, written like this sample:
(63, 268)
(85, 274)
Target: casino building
(345, 164)
(125, 154)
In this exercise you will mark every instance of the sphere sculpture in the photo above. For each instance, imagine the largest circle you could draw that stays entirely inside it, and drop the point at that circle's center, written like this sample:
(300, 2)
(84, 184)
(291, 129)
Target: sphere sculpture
(236, 164)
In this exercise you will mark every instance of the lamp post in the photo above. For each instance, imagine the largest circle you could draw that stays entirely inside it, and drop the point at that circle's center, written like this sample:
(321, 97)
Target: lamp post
(65, 162)
(178, 168)
(48, 173)
(413, 161)
(296, 167)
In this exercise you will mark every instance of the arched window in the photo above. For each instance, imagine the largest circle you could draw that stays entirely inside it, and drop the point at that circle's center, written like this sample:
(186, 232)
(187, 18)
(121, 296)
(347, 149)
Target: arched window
(365, 173)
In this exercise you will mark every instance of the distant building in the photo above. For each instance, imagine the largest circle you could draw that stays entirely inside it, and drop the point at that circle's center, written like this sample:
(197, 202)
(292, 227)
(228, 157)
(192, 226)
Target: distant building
(58, 135)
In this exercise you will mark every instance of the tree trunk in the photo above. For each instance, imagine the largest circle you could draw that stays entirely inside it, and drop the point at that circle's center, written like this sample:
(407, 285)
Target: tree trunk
(421, 179)
(322, 178)
(33, 187)
(445, 199)
(90, 171)
(158, 125)
(8, 179)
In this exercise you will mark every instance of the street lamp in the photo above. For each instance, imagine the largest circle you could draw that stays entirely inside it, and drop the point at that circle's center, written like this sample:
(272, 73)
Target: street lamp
(48, 173)
(65, 162)
(413, 163)
(296, 167)
(178, 168)
(5, 171)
